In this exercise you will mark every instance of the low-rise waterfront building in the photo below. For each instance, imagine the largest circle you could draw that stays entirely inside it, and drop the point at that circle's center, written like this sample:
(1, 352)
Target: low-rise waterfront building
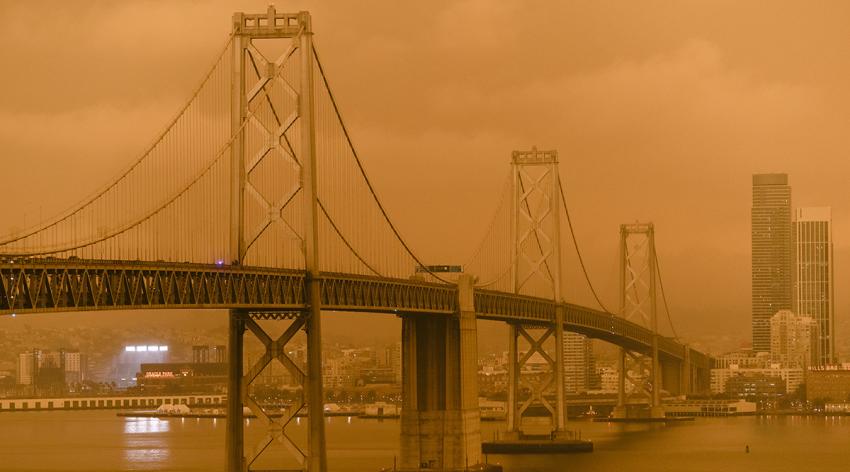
(756, 386)
(829, 383)
(792, 377)
(111, 402)
(709, 408)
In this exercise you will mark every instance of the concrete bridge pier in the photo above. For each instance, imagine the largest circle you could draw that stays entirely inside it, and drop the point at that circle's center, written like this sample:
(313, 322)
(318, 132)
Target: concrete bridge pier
(440, 419)
(651, 388)
(536, 415)
(701, 380)
(620, 410)
(240, 378)
(686, 384)
(674, 377)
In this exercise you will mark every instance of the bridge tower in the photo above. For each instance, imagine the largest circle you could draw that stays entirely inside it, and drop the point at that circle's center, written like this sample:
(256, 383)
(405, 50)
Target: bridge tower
(639, 371)
(536, 270)
(272, 118)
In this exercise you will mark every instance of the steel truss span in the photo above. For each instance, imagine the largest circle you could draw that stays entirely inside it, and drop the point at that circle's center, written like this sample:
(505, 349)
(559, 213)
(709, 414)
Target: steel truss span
(38, 286)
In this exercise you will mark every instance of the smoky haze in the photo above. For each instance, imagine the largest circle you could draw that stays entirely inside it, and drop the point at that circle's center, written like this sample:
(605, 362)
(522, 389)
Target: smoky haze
(660, 112)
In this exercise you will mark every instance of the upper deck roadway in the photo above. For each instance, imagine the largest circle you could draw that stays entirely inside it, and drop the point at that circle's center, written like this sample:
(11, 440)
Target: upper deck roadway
(61, 285)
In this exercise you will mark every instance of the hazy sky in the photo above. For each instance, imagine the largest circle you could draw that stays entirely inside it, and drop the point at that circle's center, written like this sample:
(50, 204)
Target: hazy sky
(660, 111)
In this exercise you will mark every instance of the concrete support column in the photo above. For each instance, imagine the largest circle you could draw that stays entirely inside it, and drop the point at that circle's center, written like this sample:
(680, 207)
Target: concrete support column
(620, 409)
(234, 435)
(468, 340)
(685, 373)
(513, 381)
(656, 410)
(560, 404)
(702, 380)
(410, 450)
(440, 423)
(671, 371)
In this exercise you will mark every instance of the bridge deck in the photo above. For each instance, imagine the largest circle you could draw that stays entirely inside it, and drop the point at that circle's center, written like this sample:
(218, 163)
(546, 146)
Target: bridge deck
(61, 285)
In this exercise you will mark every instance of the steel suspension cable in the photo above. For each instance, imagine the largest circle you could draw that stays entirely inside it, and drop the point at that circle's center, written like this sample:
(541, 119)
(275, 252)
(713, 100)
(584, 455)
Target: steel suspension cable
(73, 210)
(345, 241)
(365, 177)
(578, 252)
(166, 203)
(664, 297)
(492, 224)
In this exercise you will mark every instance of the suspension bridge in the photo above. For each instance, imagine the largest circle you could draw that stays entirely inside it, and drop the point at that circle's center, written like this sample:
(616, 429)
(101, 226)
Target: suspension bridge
(254, 199)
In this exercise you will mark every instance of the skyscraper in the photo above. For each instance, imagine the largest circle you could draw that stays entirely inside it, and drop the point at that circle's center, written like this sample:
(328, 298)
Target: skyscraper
(813, 281)
(27, 366)
(771, 253)
(579, 367)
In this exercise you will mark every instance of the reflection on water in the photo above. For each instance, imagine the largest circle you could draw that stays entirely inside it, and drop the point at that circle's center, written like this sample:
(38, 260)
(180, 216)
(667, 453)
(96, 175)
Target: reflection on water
(145, 425)
(100, 441)
(146, 442)
(138, 456)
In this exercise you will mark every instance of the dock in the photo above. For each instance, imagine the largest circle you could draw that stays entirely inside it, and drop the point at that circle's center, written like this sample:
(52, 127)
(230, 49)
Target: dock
(667, 419)
(536, 446)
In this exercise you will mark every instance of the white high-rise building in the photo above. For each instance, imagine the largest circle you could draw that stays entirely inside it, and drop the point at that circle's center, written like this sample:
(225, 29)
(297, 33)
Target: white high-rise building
(30, 363)
(579, 368)
(74, 364)
(813, 275)
(794, 340)
(393, 360)
(27, 367)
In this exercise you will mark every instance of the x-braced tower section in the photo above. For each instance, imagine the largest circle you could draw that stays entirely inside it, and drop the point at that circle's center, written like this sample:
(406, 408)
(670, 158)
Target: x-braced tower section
(639, 373)
(273, 151)
(536, 230)
(536, 270)
(273, 160)
(273, 349)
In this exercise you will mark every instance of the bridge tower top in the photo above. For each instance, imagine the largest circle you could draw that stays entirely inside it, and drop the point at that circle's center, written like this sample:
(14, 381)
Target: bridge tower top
(534, 156)
(272, 122)
(638, 274)
(535, 225)
(272, 24)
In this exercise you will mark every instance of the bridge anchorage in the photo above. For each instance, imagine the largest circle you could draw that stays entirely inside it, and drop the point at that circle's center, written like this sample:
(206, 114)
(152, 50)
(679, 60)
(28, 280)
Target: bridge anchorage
(254, 200)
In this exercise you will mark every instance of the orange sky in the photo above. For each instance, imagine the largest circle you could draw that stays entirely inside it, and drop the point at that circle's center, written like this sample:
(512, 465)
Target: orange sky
(660, 111)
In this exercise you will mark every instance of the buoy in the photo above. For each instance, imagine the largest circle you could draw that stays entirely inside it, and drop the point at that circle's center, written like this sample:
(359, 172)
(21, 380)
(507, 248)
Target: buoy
(748, 449)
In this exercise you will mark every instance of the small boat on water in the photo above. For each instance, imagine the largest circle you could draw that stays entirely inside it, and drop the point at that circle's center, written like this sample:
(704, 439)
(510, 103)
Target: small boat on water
(381, 410)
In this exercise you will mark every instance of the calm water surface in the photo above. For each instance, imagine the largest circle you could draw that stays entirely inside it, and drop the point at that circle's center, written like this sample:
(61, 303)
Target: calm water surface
(101, 441)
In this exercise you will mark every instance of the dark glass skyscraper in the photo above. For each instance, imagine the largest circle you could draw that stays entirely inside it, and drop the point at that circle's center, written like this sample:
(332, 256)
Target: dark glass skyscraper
(813, 287)
(772, 253)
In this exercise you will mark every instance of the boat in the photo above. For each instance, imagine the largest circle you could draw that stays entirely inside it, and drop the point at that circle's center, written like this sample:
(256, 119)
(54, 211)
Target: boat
(381, 410)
